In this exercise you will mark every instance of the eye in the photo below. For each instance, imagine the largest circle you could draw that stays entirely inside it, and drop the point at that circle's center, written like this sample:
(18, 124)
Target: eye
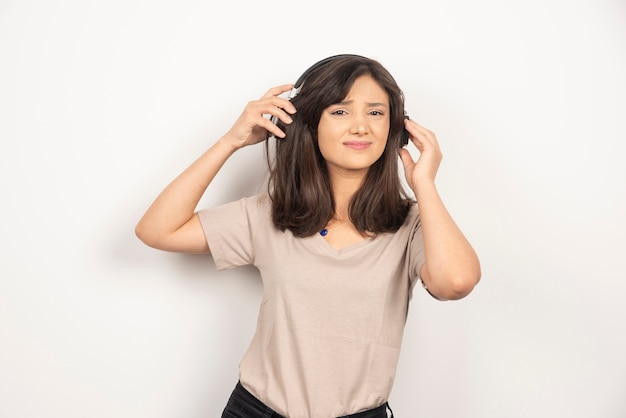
(376, 113)
(338, 112)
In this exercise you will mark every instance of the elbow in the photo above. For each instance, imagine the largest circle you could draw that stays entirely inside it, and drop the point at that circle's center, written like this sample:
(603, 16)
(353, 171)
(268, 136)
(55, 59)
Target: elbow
(145, 236)
(455, 286)
(461, 286)
(462, 282)
(140, 233)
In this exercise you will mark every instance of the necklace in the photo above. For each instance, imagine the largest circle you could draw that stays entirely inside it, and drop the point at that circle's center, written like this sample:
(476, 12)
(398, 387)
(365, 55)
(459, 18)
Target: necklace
(324, 231)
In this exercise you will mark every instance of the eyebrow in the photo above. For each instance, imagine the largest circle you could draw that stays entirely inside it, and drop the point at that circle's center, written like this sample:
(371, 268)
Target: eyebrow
(371, 104)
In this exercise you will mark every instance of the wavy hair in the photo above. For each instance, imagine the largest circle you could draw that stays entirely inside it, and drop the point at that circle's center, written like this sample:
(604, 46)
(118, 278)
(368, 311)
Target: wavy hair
(299, 186)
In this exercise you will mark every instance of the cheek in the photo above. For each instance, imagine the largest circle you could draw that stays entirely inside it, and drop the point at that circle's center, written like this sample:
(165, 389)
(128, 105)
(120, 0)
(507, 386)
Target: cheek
(324, 146)
(381, 149)
(324, 138)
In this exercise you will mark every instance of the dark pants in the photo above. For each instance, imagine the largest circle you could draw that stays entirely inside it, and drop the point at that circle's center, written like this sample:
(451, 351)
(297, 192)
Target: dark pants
(243, 404)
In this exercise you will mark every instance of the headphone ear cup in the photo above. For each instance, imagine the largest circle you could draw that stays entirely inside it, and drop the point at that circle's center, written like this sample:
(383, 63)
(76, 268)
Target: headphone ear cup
(404, 136)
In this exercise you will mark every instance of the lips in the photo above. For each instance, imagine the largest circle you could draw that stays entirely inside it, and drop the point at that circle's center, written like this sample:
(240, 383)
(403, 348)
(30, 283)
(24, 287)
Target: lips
(357, 145)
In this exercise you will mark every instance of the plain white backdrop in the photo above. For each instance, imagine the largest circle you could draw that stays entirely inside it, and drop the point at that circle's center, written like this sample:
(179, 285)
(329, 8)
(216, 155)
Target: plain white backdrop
(103, 103)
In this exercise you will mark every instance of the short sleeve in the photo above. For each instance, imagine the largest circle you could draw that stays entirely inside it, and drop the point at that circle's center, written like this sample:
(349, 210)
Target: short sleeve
(415, 247)
(230, 230)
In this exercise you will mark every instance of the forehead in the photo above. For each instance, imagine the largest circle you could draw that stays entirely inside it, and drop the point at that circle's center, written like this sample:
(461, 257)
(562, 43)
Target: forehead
(366, 87)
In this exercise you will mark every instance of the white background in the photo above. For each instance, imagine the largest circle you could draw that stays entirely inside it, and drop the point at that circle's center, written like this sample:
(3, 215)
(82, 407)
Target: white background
(103, 103)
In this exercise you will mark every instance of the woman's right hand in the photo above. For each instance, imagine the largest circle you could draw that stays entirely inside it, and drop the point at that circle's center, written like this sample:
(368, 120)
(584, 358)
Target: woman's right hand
(252, 126)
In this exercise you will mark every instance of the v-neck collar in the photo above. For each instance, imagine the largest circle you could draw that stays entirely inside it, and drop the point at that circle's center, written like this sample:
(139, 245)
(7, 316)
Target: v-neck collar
(322, 244)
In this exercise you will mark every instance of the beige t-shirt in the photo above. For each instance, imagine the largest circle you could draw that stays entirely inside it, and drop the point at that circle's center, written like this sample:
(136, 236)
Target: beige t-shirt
(331, 321)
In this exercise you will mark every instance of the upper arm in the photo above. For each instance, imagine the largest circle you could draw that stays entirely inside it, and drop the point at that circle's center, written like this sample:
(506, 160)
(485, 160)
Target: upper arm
(189, 238)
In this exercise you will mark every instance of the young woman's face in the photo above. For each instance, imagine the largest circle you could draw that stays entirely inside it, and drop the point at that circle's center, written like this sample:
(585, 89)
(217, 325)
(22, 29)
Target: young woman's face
(352, 134)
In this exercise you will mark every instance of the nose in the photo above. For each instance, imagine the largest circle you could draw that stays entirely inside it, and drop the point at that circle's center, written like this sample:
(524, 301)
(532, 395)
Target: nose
(359, 124)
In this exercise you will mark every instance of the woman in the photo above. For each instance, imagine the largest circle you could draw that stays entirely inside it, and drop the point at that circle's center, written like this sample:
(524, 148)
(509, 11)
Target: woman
(338, 243)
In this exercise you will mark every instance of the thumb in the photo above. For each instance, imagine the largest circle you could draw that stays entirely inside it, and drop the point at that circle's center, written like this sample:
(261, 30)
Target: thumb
(405, 157)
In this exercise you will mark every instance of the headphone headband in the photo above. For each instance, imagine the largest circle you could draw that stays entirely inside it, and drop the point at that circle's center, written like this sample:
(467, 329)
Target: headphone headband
(319, 64)
(300, 81)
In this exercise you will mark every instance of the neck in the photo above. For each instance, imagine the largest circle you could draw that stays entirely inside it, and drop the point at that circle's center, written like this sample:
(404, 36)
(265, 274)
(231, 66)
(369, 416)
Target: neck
(343, 188)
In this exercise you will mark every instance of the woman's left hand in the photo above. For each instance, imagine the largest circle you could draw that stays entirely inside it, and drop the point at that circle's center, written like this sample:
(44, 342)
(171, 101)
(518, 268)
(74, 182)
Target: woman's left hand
(425, 168)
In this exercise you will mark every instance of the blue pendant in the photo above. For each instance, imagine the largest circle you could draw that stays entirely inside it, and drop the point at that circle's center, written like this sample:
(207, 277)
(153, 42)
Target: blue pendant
(323, 232)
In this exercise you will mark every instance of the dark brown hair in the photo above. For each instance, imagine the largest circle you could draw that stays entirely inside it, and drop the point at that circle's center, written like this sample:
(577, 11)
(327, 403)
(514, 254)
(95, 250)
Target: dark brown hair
(299, 187)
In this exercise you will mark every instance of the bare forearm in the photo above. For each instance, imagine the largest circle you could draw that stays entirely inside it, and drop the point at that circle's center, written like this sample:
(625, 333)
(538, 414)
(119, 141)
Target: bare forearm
(452, 268)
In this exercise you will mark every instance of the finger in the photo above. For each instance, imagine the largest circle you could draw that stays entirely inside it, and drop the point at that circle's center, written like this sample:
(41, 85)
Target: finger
(422, 132)
(421, 136)
(272, 106)
(283, 104)
(405, 157)
(420, 127)
(278, 90)
(414, 135)
(275, 108)
(272, 127)
(281, 114)
(269, 105)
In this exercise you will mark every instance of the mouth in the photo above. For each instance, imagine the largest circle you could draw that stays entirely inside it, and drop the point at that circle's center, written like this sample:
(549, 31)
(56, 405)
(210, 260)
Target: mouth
(357, 145)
